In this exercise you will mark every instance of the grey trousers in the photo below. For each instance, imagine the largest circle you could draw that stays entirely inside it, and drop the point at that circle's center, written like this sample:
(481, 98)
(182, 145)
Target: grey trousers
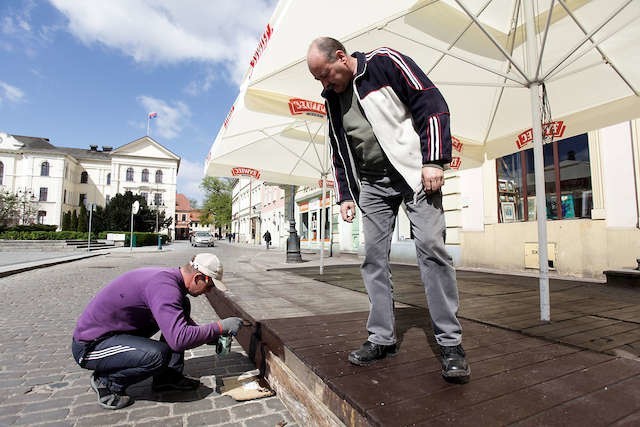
(379, 202)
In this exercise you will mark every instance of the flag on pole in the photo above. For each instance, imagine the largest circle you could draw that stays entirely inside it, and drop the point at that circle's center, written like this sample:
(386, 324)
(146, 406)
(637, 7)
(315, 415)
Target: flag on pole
(151, 115)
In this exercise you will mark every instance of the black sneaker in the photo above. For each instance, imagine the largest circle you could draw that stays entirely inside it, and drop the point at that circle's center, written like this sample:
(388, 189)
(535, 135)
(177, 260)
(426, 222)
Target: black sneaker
(180, 383)
(370, 352)
(107, 398)
(454, 365)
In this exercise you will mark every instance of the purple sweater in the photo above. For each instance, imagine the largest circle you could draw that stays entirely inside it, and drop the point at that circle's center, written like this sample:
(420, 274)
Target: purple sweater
(141, 302)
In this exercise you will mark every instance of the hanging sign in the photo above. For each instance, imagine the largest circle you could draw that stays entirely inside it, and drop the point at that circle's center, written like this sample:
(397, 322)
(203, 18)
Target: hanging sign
(456, 144)
(549, 130)
(304, 106)
(456, 162)
(248, 172)
(329, 183)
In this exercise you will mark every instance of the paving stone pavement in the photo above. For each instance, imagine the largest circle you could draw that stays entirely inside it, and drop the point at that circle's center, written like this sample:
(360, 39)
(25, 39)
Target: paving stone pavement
(40, 384)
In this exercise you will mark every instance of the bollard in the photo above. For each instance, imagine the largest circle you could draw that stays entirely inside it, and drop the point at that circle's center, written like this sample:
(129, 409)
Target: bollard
(159, 242)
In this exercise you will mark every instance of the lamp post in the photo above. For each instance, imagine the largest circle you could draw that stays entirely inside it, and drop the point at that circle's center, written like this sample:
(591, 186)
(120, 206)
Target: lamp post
(25, 197)
(293, 241)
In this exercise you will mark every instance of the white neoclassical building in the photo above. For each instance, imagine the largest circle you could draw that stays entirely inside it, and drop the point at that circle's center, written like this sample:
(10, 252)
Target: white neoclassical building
(61, 179)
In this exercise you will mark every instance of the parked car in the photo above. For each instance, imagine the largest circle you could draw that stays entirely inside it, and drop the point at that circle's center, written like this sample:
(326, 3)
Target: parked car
(202, 238)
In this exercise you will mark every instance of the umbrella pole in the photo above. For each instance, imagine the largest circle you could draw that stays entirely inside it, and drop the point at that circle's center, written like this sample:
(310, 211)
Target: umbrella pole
(538, 161)
(322, 222)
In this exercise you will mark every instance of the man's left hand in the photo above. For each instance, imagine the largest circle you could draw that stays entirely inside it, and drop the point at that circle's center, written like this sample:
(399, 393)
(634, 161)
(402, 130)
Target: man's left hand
(432, 179)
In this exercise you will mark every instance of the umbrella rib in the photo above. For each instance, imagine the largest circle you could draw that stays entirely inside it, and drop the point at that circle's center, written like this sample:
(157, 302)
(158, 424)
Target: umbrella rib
(494, 109)
(556, 74)
(300, 159)
(544, 40)
(452, 44)
(493, 40)
(312, 138)
(468, 61)
(589, 37)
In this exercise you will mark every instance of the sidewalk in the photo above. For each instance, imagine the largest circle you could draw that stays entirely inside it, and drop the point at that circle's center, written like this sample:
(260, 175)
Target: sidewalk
(582, 368)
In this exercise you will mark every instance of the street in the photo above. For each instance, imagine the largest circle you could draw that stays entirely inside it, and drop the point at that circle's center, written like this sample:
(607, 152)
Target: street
(40, 384)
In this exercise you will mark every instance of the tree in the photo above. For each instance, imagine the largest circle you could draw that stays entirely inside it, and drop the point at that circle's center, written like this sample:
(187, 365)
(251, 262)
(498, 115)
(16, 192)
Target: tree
(83, 219)
(193, 203)
(66, 221)
(9, 209)
(74, 221)
(217, 203)
(117, 214)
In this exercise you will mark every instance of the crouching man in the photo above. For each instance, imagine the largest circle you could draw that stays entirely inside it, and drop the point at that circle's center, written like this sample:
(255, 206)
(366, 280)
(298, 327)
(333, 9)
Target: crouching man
(113, 334)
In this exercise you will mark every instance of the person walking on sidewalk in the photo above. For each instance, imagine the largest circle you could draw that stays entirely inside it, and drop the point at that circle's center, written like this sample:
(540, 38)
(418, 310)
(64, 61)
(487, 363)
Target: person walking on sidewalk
(113, 334)
(267, 238)
(390, 143)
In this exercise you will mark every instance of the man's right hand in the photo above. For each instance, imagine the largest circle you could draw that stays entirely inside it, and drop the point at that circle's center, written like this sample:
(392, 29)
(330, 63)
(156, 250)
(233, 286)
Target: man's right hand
(231, 325)
(348, 210)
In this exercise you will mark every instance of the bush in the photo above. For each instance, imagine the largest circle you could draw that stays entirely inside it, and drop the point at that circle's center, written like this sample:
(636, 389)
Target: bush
(43, 235)
(146, 239)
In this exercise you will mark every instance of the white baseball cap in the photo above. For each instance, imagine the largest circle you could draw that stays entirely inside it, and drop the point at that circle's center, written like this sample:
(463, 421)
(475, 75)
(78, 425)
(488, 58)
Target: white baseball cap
(209, 265)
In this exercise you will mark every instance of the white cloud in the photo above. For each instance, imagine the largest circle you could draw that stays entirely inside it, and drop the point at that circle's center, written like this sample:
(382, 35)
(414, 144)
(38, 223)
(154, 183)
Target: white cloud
(171, 117)
(169, 31)
(189, 178)
(10, 93)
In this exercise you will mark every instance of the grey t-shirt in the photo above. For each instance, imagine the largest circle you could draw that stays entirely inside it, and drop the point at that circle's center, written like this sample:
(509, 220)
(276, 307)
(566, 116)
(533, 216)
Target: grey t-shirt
(371, 160)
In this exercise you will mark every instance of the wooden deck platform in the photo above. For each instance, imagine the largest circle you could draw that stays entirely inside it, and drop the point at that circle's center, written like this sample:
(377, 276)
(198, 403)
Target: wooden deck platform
(530, 374)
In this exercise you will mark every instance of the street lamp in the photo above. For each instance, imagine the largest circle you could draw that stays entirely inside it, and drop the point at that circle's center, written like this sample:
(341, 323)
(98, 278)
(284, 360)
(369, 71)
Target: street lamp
(26, 198)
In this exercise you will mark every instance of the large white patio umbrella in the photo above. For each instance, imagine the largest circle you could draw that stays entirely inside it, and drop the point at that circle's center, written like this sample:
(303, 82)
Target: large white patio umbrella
(491, 59)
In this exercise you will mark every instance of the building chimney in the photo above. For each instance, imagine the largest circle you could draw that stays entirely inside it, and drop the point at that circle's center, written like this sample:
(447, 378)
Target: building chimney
(93, 147)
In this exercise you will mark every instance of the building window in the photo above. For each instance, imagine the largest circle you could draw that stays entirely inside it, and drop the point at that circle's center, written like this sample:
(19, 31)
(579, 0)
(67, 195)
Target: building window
(184, 217)
(109, 178)
(158, 176)
(82, 199)
(129, 175)
(84, 177)
(64, 196)
(145, 196)
(44, 169)
(157, 199)
(107, 199)
(145, 175)
(43, 194)
(567, 182)
(41, 216)
(1, 172)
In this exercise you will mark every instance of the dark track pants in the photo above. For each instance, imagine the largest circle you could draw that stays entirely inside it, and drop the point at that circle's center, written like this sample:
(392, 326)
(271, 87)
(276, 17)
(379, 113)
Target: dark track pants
(122, 360)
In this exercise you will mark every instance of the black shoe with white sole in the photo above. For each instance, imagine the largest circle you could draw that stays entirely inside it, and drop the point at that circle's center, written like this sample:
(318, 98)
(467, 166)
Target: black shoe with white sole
(109, 399)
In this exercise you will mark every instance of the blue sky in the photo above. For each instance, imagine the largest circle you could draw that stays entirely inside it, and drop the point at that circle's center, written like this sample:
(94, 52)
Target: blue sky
(83, 72)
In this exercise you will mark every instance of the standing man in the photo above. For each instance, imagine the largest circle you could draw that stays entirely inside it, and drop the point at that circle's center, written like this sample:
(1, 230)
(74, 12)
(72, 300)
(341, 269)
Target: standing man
(113, 334)
(390, 143)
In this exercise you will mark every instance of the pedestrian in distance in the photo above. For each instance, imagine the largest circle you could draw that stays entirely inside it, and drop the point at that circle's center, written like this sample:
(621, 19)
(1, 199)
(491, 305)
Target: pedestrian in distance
(113, 334)
(267, 238)
(390, 143)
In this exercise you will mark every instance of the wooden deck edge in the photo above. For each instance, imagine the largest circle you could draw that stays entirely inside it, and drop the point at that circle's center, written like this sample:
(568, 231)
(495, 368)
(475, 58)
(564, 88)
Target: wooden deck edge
(308, 398)
(302, 403)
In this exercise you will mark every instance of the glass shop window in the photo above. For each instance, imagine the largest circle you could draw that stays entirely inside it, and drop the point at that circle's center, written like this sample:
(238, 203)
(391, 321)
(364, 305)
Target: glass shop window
(567, 184)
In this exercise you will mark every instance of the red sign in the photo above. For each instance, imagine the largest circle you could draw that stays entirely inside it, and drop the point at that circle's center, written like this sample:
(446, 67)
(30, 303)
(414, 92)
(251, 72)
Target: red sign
(226, 120)
(304, 106)
(456, 144)
(329, 183)
(262, 45)
(456, 162)
(253, 173)
(552, 129)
